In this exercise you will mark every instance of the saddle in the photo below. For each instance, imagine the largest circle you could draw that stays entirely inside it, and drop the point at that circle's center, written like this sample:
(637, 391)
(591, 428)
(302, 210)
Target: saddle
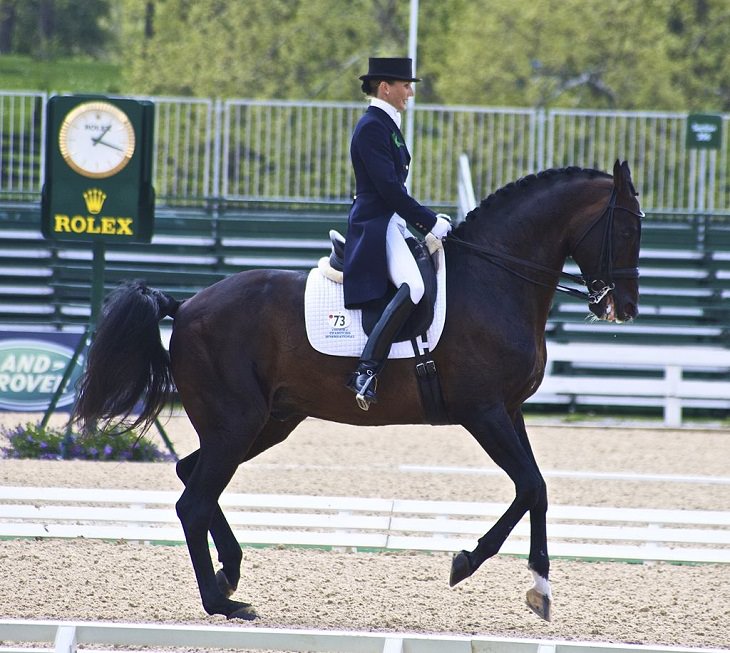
(422, 316)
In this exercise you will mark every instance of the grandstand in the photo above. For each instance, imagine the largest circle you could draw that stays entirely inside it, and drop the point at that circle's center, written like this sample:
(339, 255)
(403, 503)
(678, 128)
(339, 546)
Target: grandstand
(685, 296)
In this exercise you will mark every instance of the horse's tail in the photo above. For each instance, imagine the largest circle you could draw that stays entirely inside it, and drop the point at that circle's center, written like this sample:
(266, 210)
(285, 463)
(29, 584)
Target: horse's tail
(127, 362)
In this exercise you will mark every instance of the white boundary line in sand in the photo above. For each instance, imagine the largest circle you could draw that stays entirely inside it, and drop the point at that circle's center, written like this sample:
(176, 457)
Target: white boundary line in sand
(489, 471)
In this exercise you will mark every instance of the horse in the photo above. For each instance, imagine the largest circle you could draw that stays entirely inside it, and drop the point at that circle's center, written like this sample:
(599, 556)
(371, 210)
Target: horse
(246, 375)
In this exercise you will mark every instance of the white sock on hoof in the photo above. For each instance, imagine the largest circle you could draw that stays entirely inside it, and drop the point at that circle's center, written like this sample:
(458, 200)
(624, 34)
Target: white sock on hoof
(542, 585)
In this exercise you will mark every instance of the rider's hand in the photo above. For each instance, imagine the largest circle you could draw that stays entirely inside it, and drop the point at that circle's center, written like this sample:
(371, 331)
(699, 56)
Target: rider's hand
(442, 226)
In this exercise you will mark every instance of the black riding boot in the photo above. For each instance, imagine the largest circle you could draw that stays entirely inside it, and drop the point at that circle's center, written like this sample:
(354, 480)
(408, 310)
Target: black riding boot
(364, 381)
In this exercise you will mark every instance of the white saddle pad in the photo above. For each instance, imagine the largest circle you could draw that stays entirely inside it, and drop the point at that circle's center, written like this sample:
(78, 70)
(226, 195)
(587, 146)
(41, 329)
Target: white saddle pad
(335, 330)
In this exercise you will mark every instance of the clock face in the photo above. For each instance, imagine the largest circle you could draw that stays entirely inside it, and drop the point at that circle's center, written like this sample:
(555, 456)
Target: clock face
(96, 139)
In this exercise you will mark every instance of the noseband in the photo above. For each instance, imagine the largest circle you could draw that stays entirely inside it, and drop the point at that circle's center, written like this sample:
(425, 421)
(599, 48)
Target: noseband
(598, 284)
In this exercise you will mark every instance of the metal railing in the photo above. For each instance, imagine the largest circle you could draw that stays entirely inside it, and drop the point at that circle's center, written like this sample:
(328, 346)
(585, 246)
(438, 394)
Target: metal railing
(22, 143)
(252, 150)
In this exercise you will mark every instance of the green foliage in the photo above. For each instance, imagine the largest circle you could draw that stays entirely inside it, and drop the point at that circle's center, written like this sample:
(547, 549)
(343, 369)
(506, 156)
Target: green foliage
(34, 441)
(587, 54)
(23, 73)
(654, 54)
(273, 49)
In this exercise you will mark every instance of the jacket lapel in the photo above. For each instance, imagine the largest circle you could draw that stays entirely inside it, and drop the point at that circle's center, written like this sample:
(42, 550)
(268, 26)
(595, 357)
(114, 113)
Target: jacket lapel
(397, 142)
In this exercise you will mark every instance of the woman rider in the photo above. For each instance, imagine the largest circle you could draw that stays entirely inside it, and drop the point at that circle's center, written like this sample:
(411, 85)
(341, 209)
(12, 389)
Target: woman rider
(376, 251)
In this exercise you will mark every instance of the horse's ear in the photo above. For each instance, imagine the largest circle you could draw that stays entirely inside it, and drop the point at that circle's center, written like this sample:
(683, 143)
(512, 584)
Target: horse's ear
(622, 177)
(626, 173)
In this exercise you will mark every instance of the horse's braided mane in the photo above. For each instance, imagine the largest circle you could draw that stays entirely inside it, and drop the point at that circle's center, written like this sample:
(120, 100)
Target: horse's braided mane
(510, 190)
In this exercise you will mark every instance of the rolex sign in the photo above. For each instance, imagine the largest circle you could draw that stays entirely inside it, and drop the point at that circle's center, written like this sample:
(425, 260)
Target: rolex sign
(98, 176)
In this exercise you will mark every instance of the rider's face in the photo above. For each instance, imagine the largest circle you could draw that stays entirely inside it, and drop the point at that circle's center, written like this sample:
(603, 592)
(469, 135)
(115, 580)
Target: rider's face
(396, 93)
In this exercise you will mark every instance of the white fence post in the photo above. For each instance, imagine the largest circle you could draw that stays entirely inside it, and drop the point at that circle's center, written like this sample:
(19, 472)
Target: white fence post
(673, 402)
(65, 640)
(393, 645)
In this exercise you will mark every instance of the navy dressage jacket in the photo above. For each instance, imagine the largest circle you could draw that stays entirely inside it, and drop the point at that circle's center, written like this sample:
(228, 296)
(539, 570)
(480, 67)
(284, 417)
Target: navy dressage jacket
(380, 160)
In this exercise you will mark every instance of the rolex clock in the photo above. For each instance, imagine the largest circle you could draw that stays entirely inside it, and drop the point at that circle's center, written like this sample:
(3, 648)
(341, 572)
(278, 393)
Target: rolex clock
(96, 139)
(98, 174)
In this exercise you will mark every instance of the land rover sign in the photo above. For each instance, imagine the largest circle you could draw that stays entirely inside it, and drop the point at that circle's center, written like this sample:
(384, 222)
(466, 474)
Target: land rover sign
(31, 370)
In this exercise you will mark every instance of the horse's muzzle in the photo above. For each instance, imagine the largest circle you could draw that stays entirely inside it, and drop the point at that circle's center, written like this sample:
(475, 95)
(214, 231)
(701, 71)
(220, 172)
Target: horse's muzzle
(611, 310)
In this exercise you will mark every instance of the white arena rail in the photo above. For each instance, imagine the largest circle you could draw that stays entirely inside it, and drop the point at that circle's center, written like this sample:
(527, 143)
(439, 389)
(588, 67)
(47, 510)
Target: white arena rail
(368, 523)
(628, 386)
(67, 636)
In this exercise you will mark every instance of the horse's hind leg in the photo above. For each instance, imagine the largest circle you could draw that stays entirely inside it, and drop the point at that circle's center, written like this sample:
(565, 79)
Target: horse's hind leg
(226, 544)
(229, 551)
(496, 433)
(196, 508)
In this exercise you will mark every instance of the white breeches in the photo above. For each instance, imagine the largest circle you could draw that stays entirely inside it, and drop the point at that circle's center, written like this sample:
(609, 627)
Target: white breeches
(402, 267)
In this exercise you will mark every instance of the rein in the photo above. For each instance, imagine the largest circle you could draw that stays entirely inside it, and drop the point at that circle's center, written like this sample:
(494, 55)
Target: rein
(598, 284)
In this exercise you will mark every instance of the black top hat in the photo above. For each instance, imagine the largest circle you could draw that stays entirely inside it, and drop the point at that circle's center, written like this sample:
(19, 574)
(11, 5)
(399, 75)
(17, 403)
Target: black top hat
(398, 68)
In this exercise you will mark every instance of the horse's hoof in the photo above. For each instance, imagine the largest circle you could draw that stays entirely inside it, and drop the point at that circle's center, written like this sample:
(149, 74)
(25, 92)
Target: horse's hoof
(460, 568)
(223, 583)
(539, 603)
(245, 611)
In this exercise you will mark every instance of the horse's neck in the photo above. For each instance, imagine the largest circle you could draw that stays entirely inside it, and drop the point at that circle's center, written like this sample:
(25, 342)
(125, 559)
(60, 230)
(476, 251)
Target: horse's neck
(536, 232)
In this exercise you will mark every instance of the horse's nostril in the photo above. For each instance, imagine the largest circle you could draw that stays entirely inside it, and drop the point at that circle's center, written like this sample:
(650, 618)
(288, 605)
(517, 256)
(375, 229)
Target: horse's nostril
(630, 311)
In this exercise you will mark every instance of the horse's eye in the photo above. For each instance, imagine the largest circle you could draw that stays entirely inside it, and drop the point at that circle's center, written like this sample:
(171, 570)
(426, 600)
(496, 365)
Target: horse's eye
(628, 231)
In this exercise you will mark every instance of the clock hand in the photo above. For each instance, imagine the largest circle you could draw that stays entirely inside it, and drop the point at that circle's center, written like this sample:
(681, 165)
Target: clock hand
(115, 147)
(97, 139)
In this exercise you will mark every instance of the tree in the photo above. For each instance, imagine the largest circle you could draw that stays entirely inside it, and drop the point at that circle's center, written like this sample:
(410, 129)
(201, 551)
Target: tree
(51, 28)
(654, 54)
(558, 53)
(700, 30)
(8, 18)
(273, 49)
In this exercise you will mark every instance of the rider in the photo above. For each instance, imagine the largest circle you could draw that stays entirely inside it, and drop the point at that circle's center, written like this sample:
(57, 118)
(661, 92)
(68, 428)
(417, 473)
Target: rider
(376, 251)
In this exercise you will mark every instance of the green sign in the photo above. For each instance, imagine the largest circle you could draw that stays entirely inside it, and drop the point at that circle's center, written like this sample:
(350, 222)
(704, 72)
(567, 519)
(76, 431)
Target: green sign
(98, 175)
(31, 371)
(704, 131)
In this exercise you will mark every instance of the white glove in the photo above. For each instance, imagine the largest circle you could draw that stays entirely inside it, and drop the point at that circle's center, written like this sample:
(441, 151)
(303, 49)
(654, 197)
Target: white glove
(442, 226)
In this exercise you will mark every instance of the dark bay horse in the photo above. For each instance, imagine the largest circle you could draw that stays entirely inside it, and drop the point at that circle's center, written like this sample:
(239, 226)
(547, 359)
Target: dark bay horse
(246, 374)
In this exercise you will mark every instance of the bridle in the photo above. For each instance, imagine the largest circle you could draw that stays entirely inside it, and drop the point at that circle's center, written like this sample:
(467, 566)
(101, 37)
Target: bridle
(598, 284)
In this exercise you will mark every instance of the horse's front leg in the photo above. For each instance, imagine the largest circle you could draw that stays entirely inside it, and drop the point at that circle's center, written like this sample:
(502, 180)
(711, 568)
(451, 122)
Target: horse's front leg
(495, 432)
(539, 597)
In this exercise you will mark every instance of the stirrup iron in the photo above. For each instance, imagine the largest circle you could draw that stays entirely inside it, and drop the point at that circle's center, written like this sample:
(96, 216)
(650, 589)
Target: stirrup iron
(360, 397)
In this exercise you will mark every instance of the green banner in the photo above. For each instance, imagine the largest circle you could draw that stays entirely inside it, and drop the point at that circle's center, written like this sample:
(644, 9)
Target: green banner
(704, 131)
(32, 369)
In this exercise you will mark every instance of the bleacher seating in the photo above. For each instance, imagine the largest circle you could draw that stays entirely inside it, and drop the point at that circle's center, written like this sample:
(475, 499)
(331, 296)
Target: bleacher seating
(684, 288)
(47, 284)
(684, 264)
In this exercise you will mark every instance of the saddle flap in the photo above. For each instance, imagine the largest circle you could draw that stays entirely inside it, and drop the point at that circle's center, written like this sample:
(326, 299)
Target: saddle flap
(334, 330)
